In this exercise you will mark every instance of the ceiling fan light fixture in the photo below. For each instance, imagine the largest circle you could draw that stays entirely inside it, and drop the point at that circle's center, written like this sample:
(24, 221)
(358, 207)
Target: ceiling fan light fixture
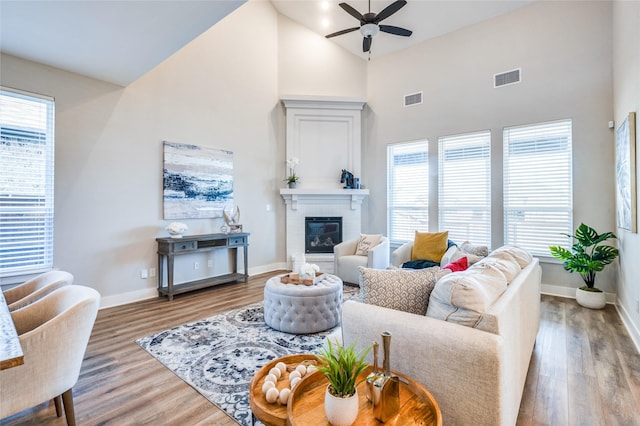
(369, 30)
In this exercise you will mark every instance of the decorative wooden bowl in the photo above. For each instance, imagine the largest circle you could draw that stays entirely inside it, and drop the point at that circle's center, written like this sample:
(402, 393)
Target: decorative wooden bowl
(274, 414)
(306, 404)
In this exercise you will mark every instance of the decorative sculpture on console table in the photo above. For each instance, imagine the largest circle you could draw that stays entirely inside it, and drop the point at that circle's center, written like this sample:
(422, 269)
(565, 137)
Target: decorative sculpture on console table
(232, 223)
(348, 179)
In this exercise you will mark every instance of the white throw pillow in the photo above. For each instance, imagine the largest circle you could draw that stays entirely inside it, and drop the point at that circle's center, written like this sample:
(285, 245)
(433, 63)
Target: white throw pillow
(366, 243)
(520, 255)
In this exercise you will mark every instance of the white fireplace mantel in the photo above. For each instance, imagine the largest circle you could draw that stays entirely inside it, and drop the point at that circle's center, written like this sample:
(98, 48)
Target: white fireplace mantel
(293, 196)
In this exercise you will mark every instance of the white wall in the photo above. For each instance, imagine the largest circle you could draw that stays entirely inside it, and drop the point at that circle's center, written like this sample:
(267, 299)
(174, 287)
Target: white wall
(626, 78)
(219, 91)
(564, 50)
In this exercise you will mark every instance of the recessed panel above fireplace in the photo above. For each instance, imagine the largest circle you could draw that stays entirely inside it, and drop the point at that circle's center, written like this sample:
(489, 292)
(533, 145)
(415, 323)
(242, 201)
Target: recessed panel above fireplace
(321, 233)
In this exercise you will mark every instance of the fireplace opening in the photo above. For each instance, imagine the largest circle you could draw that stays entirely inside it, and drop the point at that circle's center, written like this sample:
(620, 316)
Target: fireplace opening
(322, 233)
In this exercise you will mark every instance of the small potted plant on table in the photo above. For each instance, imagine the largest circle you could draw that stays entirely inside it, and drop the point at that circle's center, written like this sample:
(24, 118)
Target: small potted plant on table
(587, 257)
(341, 366)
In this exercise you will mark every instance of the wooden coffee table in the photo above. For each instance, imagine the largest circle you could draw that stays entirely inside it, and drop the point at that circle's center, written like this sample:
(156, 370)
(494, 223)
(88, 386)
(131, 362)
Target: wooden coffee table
(306, 402)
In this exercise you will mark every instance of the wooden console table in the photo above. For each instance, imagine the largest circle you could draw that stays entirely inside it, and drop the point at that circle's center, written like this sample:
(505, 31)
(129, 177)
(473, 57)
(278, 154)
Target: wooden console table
(168, 248)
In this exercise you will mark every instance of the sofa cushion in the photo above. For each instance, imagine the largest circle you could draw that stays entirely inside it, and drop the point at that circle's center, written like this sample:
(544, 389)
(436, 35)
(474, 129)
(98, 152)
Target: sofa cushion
(429, 246)
(464, 297)
(401, 289)
(457, 265)
(504, 267)
(521, 256)
(367, 242)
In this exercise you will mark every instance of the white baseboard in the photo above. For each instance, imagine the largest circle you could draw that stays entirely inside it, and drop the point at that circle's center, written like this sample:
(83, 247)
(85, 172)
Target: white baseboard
(570, 292)
(150, 293)
(629, 325)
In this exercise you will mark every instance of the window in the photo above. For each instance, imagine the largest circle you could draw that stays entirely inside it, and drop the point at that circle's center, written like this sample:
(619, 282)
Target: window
(464, 192)
(408, 190)
(26, 183)
(538, 186)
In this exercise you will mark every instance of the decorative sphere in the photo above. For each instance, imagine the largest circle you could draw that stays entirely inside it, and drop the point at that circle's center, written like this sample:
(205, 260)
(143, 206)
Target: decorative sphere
(271, 378)
(282, 367)
(276, 372)
(266, 386)
(294, 382)
(302, 370)
(284, 396)
(294, 373)
(272, 395)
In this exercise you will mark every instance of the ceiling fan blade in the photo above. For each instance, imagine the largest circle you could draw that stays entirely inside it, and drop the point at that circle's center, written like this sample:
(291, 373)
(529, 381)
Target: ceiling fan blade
(390, 10)
(337, 33)
(351, 11)
(366, 44)
(395, 30)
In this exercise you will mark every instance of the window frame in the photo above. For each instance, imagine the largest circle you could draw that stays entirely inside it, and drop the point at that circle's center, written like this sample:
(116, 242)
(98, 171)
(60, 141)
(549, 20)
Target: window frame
(28, 118)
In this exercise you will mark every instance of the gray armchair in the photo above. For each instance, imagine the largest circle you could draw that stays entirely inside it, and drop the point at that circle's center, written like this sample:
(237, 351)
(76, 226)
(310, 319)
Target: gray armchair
(36, 288)
(346, 262)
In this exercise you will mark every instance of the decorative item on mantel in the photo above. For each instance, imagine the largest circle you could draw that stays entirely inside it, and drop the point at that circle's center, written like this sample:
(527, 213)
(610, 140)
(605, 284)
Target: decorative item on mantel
(292, 179)
(349, 180)
(176, 229)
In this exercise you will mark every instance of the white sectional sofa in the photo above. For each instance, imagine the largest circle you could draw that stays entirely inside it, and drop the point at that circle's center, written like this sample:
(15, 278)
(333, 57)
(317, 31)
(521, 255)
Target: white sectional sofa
(477, 371)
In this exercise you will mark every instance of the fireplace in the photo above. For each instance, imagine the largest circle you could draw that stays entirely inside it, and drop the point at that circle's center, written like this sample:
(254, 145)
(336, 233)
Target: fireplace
(321, 233)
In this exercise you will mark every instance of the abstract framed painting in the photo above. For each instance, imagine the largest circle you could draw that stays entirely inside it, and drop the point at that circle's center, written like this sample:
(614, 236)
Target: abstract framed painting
(197, 181)
(626, 197)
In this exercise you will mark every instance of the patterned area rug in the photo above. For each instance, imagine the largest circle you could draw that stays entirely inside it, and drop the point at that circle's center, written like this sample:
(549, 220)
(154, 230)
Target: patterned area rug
(218, 356)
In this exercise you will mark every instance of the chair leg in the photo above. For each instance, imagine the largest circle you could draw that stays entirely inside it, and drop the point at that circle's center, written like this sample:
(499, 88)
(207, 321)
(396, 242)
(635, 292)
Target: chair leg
(57, 401)
(67, 398)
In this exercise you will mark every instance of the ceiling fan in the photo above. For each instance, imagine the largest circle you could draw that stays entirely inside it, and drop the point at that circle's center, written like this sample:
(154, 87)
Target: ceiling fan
(370, 23)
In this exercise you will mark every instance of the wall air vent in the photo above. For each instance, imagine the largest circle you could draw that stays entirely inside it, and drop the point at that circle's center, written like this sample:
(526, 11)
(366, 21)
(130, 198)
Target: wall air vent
(506, 78)
(413, 99)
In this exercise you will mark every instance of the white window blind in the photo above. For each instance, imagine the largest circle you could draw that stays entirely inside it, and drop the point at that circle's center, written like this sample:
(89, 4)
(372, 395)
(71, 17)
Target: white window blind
(26, 183)
(464, 189)
(538, 204)
(407, 190)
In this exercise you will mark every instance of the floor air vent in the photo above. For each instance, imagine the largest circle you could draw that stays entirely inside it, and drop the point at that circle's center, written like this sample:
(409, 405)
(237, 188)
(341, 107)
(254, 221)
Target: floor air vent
(506, 78)
(413, 99)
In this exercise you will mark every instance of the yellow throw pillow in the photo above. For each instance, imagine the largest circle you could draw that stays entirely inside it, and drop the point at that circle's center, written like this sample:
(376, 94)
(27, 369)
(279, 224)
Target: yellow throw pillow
(429, 246)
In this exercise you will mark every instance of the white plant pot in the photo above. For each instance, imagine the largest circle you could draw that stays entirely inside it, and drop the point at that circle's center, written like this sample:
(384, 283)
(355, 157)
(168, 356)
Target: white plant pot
(341, 411)
(591, 299)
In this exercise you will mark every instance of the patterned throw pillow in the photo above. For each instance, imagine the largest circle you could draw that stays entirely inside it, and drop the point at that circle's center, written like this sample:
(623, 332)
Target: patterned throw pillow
(366, 243)
(429, 246)
(475, 249)
(403, 290)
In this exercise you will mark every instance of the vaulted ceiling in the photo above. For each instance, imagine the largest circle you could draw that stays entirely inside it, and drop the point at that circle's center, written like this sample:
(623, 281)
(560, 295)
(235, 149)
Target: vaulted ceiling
(119, 41)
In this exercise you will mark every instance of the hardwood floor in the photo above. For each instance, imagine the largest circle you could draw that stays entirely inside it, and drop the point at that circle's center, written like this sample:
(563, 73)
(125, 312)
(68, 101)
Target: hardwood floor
(584, 370)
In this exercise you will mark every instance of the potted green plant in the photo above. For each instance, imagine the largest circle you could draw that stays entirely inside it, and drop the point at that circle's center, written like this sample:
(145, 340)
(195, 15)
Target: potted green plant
(587, 257)
(342, 366)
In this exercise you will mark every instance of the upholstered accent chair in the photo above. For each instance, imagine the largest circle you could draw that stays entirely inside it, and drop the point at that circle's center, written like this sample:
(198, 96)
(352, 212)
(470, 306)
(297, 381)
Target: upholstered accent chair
(346, 262)
(36, 288)
(54, 332)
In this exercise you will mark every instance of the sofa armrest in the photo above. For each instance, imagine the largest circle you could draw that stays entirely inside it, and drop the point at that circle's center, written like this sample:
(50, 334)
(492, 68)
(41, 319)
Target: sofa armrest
(462, 367)
(402, 254)
(378, 256)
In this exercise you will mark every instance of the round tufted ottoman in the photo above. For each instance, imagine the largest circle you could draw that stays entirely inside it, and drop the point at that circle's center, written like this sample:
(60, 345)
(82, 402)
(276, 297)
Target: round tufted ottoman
(303, 309)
